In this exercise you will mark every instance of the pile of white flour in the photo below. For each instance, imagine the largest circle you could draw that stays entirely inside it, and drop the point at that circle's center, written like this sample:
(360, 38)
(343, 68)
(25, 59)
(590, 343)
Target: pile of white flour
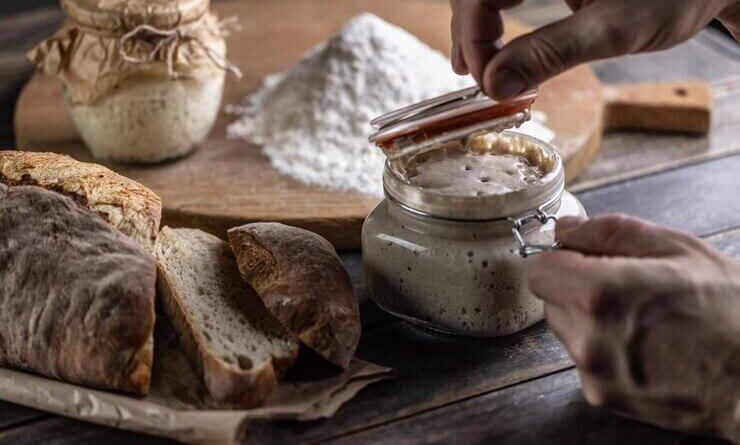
(313, 121)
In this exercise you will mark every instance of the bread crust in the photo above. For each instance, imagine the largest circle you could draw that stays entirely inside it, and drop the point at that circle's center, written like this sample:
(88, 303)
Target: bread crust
(77, 297)
(127, 205)
(225, 383)
(303, 283)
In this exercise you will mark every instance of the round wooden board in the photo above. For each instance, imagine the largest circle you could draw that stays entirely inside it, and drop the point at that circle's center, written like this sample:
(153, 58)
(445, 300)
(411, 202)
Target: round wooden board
(227, 182)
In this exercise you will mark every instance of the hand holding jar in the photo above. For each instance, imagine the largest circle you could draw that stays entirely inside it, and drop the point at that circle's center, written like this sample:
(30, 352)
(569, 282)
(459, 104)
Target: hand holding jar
(651, 318)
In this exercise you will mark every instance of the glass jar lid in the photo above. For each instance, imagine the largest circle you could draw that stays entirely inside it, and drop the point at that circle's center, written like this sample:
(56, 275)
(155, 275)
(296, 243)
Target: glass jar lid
(419, 126)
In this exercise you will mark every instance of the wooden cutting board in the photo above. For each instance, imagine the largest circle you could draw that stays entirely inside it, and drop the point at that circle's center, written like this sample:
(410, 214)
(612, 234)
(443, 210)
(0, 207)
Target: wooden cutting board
(228, 182)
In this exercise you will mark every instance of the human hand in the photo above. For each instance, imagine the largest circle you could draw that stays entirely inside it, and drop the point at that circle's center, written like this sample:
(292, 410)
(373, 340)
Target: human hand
(597, 29)
(651, 318)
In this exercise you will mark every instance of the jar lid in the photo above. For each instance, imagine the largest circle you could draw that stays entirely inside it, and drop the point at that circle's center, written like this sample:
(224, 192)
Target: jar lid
(127, 14)
(459, 113)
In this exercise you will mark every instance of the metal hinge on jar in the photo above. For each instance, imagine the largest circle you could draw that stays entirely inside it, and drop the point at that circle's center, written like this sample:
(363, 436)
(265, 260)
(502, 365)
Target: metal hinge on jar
(526, 249)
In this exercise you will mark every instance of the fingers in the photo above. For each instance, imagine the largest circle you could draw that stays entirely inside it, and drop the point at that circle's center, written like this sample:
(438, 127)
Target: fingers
(458, 62)
(594, 32)
(566, 278)
(477, 29)
(619, 235)
(730, 17)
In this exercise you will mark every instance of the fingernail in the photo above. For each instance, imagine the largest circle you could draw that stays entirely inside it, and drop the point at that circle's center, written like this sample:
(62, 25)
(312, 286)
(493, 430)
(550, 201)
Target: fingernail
(507, 84)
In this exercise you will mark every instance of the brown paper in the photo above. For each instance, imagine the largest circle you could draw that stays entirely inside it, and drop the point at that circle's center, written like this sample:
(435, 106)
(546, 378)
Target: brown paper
(177, 406)
(91, 63)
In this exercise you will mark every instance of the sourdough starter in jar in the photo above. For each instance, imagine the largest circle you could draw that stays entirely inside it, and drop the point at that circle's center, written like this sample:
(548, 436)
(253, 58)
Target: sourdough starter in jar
(143, 79)
(464, 275)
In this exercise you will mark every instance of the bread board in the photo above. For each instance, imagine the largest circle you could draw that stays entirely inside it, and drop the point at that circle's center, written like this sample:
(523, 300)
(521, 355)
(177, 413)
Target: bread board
(228, 182)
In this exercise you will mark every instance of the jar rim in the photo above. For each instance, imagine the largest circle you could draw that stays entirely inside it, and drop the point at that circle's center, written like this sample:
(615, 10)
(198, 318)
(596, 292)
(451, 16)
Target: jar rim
(478, 208)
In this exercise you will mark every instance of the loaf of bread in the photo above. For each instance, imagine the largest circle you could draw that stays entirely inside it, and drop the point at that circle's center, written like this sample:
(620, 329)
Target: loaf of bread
(232, 341)
(76, 296)
(302, 282)
(129, 206)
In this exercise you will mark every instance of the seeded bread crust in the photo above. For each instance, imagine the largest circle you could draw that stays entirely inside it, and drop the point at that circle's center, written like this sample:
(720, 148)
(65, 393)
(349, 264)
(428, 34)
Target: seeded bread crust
(302, 281)
(76, 296)
(248, 380)
(127, 205)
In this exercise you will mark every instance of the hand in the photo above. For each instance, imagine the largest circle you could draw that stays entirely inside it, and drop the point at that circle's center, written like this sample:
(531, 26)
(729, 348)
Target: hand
(596, 30)
(651, 318)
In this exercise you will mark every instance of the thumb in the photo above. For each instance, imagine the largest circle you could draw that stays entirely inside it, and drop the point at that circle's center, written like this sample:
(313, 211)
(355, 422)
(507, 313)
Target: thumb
(591, 33)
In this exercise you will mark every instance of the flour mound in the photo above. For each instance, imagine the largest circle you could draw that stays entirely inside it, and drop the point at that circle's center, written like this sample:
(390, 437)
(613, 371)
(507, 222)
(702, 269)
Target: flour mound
(313, 121)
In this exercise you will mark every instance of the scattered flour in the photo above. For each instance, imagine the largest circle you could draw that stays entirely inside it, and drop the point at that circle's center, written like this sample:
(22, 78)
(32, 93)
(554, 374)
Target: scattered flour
(313, 121)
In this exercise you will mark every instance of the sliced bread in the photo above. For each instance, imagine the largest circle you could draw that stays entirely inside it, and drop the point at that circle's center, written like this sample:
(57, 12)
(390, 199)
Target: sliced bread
(303, 283)
(127, 205)
(76, 296)
(231, 340)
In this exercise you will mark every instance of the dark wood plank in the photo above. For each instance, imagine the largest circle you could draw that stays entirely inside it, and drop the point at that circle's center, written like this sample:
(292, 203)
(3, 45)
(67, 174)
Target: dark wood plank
(371, 315)
(627, 155)
(61, 431)
(701, 199)
(546, 410)
(12, 415)
(728, 242)
(433, 370)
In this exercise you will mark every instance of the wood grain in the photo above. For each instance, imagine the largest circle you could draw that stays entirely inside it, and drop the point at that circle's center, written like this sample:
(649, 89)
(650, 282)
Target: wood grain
(247, 188)
(12, 415)
(629, 155)
(433, 370)
(62, 431)
(701, 199)
(547, 410)
(684, 106)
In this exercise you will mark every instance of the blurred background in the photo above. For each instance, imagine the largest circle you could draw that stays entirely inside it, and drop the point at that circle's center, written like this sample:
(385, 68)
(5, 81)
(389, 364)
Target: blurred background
(23, 23)
(10, 7)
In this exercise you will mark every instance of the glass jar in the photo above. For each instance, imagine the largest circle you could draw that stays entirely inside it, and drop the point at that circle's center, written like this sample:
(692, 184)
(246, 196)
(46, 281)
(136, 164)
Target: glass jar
(143, 79)
(457, 263)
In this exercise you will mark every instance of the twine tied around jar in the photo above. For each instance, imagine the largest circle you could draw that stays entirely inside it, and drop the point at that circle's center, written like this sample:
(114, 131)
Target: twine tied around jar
(169, 40)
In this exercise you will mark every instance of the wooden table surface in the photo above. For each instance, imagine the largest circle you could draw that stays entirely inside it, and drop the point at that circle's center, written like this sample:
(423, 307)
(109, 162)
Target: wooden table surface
(519, 389)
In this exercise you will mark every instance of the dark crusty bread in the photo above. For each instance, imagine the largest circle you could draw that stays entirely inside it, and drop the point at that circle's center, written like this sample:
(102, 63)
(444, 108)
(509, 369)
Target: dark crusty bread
(76, 296)
(232, 341)
(129, 206)
(300, 278)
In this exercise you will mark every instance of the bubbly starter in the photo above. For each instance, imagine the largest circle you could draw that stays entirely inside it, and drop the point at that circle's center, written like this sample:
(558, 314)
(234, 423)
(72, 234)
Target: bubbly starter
(462, 277)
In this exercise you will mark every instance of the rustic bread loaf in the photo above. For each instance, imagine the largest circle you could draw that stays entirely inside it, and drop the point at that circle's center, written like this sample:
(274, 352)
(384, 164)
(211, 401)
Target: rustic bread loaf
(303, 283)
(230, 338)
(127, 205)
(76, 296)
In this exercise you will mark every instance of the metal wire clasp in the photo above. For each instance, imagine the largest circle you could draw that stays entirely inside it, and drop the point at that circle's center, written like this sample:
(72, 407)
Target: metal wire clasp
(525, 249)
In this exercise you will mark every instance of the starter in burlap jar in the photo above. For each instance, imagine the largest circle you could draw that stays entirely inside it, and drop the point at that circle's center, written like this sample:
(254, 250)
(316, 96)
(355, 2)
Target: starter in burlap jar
(466, 203)
(143, 79)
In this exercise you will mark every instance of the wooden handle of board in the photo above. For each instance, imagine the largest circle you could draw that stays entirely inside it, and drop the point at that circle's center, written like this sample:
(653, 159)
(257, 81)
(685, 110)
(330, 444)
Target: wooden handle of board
(682, 107)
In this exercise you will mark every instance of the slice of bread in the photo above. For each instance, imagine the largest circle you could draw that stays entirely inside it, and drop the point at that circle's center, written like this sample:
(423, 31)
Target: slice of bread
(127, 205)
(230, 338)
(301, 280)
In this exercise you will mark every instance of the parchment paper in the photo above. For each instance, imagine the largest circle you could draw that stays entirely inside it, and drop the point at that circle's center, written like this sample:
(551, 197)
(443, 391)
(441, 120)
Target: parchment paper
(177, 406)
